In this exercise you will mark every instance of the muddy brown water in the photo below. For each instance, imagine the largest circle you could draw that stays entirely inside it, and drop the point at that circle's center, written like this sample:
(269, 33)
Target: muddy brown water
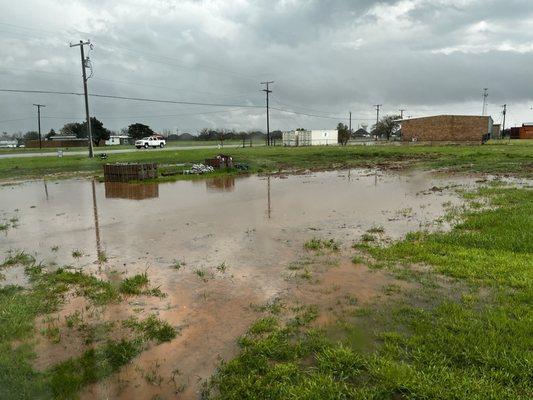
(255, 226)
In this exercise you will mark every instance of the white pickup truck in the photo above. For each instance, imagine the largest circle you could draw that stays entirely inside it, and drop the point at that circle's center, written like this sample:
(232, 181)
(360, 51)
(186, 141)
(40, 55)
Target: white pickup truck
(150, 141)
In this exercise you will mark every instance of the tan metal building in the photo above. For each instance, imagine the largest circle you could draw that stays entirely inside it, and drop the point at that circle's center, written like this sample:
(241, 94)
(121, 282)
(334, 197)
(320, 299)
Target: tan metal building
(446, 128)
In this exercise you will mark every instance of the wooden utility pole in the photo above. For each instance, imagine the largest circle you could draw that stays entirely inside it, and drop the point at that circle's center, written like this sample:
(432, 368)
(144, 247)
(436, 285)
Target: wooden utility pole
(378, 106)
(267, 91)
(39, 122)
(503, 122)
(84, 63)
(350, 124)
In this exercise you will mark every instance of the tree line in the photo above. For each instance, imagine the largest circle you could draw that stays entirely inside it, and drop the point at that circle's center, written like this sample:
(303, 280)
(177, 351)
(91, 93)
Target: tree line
(385, 128)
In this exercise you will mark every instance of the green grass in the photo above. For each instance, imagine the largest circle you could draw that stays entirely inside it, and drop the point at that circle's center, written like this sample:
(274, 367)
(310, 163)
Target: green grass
(320, 244)
(138, 285)
(64, 380)
(152, 328)
(19, 309)
(471, 339)
(103, 149)
(494, 159)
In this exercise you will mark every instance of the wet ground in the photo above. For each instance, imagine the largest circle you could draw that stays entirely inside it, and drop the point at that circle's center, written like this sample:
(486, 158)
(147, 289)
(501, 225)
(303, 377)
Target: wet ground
(215, 247)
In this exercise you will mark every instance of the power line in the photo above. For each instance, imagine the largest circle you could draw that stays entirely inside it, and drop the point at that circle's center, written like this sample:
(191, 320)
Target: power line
(192, 103)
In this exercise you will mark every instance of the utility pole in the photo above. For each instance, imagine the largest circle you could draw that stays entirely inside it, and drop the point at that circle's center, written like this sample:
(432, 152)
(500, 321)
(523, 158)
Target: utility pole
(350, 123)
(402, 110)
(378, 106)
(39, 122)
(84, 64)
(485, 95)
(503, 122)
(267, 91)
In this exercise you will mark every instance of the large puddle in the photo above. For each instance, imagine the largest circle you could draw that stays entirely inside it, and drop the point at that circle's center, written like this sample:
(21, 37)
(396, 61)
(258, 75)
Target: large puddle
(254, 226)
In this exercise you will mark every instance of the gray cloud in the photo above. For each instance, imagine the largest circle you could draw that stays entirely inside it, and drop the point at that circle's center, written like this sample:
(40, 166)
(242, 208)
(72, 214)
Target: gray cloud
(429, 56)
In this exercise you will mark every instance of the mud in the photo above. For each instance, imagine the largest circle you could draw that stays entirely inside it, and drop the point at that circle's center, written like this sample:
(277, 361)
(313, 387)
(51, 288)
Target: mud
(240, 233)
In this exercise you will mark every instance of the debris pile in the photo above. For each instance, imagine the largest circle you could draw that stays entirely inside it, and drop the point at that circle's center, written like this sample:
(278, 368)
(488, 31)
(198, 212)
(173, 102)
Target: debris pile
(197, 169)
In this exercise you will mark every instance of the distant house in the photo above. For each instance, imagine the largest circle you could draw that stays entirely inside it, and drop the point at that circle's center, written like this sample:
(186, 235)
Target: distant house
(311, 138)
(186, 136)
(118, 139)
(526, 131)
(63, 137)
(361, 133)
(446, 128)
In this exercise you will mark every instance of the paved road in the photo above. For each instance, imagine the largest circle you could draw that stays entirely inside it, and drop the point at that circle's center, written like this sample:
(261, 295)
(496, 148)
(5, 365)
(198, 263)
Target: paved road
(109, 151)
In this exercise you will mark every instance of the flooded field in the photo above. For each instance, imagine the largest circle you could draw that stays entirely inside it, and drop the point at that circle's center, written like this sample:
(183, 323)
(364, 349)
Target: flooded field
(214, 247)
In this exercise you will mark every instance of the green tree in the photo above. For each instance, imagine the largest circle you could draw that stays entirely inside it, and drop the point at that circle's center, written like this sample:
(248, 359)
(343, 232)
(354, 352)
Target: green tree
(99, 132)
(344, 133)
(138, 131)
(387, 126)
(74, 128)
(31, 135)
(50, 134)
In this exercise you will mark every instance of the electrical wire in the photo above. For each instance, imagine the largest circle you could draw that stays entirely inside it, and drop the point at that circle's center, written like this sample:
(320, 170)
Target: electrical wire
(107, 96)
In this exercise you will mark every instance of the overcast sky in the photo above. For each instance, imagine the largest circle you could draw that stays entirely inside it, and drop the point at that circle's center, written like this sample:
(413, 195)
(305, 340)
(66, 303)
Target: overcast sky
(325, 57)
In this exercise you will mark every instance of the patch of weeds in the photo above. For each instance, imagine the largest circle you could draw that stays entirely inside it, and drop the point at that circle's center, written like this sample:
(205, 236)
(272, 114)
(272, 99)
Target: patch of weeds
(391, 289)
(313, 244)
(152, 375)
(102, 256)
(352, 301)
(358, 260)
(222, 267)
(263, 325)
(67, 378)
(96, 332)
(52, 333)
(77, 254)
(18, 258)
(376, 230)
(405, 212)
(203, 274)
(367, 237)
(319, 244)
(274, 307)
(177, 264)
(55, 248)
(152, 328)
(73, 319)
(134, 285)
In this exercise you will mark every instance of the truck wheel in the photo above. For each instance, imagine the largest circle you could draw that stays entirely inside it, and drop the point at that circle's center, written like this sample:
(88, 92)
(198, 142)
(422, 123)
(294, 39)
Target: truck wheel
(146, 145)
(138, 147)
(161, 145)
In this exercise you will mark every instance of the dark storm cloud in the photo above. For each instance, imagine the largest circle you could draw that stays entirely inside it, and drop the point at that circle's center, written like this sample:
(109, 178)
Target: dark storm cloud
(430, 56)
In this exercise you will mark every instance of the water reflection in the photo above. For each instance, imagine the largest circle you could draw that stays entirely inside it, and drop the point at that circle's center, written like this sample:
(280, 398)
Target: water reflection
(132, 191)
(220, 184)
(269, 205)
(96, 222)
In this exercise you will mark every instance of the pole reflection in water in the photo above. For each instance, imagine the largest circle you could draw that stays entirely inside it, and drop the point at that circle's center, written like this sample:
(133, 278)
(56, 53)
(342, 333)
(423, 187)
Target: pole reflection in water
(96, 224)
(220, 184)
(132, 191)
(45, 189)
(268, 198)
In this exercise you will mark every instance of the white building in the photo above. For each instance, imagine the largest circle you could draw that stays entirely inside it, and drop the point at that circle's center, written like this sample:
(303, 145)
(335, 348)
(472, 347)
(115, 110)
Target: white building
(324, 137)
(118, 139)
